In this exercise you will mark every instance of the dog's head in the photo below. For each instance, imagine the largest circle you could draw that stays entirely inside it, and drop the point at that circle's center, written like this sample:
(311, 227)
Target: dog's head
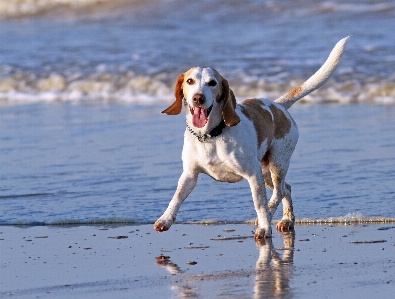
(207, 98)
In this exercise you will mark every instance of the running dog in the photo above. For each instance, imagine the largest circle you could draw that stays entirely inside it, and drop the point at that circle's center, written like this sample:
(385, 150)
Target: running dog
(230, 141)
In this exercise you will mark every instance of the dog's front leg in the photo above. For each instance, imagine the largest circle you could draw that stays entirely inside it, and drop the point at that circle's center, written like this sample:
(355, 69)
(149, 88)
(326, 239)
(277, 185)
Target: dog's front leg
(258, 191)
(186, 183)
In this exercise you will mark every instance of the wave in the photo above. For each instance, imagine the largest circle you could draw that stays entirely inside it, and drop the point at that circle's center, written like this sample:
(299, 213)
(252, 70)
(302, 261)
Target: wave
(351, 218)
(112, 221)
(128, 87)
(29, 8)
(353, 7)
(22, 87)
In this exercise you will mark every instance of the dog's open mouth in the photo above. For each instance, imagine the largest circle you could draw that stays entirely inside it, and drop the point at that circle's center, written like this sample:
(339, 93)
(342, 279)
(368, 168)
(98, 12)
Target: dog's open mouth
(200, 115)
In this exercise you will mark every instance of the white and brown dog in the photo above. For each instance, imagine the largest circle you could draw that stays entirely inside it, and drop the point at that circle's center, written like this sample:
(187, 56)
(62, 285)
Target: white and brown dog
(253, 140)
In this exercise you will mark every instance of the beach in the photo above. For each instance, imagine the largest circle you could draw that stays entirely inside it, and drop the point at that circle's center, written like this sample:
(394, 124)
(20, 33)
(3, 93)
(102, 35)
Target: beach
(88, 163)
(197, 261)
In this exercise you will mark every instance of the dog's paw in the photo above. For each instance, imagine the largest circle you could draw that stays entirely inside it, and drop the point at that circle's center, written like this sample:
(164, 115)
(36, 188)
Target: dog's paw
(261, 233)
(162, 225)
(285, 225)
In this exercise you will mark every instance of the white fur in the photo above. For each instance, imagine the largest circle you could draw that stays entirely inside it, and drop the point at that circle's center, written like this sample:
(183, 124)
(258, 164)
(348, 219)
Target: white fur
(235, 154)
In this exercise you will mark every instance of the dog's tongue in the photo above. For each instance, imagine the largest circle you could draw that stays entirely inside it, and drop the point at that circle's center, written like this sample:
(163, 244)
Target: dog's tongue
(199, 117)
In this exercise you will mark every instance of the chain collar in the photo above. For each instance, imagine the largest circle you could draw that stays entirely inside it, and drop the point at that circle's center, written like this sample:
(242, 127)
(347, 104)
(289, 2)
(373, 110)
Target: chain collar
(213, 133)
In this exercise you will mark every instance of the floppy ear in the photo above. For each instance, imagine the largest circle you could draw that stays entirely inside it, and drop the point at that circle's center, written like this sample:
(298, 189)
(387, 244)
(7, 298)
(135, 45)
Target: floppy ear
(228, 111)
(176, 107)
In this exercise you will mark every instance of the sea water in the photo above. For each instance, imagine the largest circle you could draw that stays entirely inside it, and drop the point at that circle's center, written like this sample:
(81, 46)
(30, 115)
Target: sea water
(82, 84)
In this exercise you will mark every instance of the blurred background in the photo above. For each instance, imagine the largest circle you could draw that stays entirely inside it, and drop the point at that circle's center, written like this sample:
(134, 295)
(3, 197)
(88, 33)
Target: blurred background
(132, 50)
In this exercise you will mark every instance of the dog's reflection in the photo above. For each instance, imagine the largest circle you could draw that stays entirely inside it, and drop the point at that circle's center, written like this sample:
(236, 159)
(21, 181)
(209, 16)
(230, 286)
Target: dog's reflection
(181, 287)
(272, 272)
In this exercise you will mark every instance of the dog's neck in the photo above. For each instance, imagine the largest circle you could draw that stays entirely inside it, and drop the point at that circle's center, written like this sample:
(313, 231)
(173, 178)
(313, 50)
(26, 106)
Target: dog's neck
(216, 131)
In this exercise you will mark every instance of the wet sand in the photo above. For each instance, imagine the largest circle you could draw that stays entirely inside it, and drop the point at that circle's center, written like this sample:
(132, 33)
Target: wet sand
(190, 261)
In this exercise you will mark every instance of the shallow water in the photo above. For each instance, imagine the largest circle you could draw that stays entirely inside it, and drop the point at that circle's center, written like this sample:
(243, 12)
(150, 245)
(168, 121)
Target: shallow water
(64, 163)
(82, 84)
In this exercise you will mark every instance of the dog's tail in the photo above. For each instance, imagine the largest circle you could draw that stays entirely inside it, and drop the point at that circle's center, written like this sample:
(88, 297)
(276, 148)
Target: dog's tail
(317, 80)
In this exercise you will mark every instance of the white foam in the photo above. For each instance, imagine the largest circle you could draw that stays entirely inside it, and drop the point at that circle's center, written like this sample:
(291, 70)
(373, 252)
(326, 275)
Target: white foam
(350, 218)
(111, 221)
(19, 87)
(129, 87)
(356, 7)
(22, 8)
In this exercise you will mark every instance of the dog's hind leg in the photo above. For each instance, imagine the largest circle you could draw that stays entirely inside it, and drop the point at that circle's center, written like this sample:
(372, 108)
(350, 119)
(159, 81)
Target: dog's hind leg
(281, 192)
(257, 185)
(288, 220)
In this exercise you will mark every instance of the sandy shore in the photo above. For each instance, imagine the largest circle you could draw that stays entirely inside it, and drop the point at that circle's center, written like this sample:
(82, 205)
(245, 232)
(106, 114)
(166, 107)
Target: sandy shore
(191, 261)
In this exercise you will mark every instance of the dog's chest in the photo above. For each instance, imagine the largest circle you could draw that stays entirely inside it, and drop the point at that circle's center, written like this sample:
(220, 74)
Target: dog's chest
(216, 161)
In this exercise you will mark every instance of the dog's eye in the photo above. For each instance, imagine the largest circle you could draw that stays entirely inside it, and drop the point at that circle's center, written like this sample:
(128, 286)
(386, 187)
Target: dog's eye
(212, 83)
(190, 81)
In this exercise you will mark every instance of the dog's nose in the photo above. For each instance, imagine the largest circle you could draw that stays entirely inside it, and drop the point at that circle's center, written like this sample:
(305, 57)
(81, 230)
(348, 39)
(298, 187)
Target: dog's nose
(198, 99)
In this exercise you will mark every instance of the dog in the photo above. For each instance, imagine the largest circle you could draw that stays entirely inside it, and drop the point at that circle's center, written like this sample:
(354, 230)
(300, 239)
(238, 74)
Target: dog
(252, 140)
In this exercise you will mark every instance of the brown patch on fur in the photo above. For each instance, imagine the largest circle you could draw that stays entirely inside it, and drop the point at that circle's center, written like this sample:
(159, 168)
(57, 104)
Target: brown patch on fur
(228, 111)
(265, 160)
(282, 123)
(294, 92)
(176, 107)
(260, 117)
(219, 97)
(265, 164)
